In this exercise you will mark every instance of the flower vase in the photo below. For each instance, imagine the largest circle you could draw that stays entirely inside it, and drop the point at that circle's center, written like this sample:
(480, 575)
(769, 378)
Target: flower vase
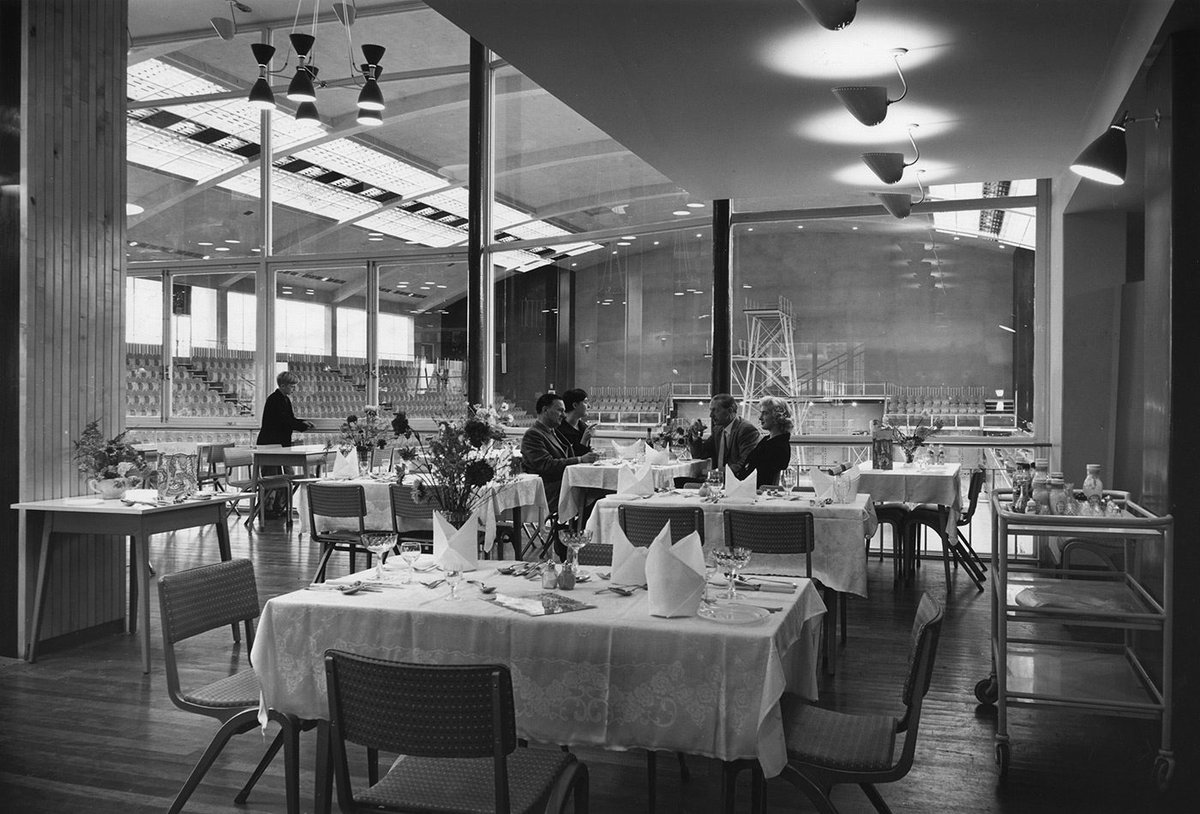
(109, 488)
(458, 517)
(909, 454)
(364, 460)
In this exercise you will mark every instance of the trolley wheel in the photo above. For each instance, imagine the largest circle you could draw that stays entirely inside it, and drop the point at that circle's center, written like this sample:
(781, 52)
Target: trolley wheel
(1164, 770)
(986, 691)
(1003, 755)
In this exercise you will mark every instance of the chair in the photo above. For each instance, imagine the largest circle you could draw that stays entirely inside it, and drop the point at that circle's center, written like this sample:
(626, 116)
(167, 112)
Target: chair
(456, 727)
(826, 747)
(896, 516)
(210, 465)
(787, 532)
(405, 508)
(199, 600)
(327, 500)
(238, 463)
(960, 548)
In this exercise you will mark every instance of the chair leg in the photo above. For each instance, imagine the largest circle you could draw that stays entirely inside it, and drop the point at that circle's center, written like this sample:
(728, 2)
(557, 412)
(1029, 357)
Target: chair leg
(244, 721)
(946, 558)
(873, 795)
(685, 774)
(267, 757)
(326, 552)
(651, 779)
(809, 788)
(581, 789)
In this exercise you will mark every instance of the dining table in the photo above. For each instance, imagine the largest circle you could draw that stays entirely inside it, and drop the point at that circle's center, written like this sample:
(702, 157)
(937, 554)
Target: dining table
(608, 675)
(912, 483)
(522, 495)
(310, 458)
(138, 516)
(604, 475)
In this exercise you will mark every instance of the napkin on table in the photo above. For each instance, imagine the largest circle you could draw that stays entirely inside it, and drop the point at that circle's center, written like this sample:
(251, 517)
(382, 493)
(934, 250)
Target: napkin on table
(675, 575)
(462, 543)
(345, 465)
(825, 484)
(628, 451)
(628, 560)
(658, 457)
(740, 491)
(635, 480)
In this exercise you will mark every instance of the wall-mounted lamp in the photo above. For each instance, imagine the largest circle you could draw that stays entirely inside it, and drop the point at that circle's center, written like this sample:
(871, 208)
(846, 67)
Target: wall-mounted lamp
(1104, 159)
(889, 167)
(900, 204)
(227, 28)
(831, 14)
(869, 103)
(586, 344)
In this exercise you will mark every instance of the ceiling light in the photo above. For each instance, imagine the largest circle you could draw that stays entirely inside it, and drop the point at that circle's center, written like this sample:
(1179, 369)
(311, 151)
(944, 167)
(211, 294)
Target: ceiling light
(832, 14)
(628, 237)
(681, 212)
(307, 112)
(369, 118)
(227, 28)
(134, 209)
(623, 243)
(695, 205)
(1006, 328)
(204, 243)
(889, 167)
(232, 240)
(900, 204)
(869, 103)
(370, 97)
(261, 95)
(302, 88)
(346, 14)
(222, 248)
(1104, 159)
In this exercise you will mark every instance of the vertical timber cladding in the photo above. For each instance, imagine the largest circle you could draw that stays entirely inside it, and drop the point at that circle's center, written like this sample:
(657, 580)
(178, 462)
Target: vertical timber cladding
(72, 275)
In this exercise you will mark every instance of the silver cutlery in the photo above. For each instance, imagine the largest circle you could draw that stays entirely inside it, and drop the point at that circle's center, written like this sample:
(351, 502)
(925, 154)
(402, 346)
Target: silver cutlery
(616, 589)
(433, 583)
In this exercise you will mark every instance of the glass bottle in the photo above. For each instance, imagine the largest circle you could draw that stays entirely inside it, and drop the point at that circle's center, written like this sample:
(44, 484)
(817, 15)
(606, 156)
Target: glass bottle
(1093, 488)
(1058, 494)
(1040, 487)
(1020, 486)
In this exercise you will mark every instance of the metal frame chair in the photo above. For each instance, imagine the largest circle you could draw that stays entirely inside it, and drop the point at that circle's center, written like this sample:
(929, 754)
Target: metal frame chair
(210, 465)
(430, 714)
(199, 600)
(959, 549)
(785, 532)
(327, 500)
(826, 748)
(404, 505)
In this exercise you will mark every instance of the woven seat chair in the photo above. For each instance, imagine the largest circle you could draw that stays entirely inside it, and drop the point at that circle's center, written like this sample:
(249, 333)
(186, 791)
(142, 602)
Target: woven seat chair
(826, 748)
(406, 508)
(894, 515)
(200, 600)
(455, 726)
(959, 549)
(327, 500)
(788, 532)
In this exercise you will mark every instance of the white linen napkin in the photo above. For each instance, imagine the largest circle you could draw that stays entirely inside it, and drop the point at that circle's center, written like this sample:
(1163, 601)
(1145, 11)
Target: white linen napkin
(658, 457)
(462, 542)
(635, 480)
(628, 451)
(850, 484)
(628, 560)
(827, 486)
(822, 483)
(675, 575)
(345, 465)
(740, 491)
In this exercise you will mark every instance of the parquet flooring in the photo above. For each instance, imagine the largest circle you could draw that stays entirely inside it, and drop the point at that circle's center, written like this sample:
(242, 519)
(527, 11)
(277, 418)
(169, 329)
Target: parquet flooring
(84, 731)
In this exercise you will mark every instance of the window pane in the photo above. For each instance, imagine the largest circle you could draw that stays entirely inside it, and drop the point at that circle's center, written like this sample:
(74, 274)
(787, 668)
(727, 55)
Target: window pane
(212, 317)
(143, 345)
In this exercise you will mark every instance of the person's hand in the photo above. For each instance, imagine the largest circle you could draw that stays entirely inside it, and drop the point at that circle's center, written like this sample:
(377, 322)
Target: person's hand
(308, 425)
(591, 457)
(588, 433)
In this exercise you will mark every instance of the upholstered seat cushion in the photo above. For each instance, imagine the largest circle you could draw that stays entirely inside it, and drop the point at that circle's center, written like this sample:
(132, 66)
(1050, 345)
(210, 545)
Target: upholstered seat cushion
(466, 784)
(238, 690)
(836, 740)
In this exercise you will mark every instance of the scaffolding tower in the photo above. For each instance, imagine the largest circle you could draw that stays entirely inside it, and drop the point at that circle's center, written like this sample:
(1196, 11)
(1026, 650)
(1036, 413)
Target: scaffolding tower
(766, 365)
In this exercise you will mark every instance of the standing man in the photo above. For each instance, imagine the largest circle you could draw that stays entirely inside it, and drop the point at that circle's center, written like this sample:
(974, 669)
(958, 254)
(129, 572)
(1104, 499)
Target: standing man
(733, 438)
(543, 450)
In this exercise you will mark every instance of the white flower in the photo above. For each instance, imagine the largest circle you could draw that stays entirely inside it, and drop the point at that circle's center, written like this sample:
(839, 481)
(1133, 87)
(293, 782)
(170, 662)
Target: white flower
(124, 468)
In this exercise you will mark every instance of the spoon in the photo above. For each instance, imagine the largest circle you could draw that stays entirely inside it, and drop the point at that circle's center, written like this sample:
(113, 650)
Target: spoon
(617, 590)
(483, 589)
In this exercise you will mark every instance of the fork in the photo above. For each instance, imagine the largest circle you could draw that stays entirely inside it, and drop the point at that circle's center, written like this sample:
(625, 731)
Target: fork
(433, 583)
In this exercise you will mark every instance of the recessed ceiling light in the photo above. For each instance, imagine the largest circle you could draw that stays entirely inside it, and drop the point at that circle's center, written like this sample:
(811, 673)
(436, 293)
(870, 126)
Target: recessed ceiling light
(747, 285)
(614, 251)
(853, 228)
(699, 235)
(656, 243)
(430, 282)
(801, 226)
(441, 286)
(573, 265)
(681, 212)
(695, 205)
(623, 243)
(679, 293)
(751, 229)
(232, 240)
(375, 239)
(134, 209)
(309, 291)
(133, 243)
(628, 237)
(206, 257)
(374, 234)
(256, 249)
(956, 237)
(204, 243)
(222, 248)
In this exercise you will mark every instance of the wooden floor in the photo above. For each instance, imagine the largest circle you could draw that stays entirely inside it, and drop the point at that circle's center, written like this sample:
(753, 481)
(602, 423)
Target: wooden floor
(84, 731)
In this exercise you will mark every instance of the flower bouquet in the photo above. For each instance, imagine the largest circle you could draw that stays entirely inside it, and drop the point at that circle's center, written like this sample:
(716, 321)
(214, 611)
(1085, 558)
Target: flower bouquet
(921, 431)
(365, 434)
(111, 465)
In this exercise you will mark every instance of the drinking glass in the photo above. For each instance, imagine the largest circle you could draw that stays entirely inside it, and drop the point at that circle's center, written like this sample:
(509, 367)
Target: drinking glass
(711, 566)
(739, 558)
(453, 577)
(410, 552)
(787, 479)
(379, 543)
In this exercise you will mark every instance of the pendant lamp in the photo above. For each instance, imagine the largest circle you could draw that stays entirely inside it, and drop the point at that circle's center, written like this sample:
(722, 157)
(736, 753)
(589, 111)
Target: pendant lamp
(889, 167)
(869, 103)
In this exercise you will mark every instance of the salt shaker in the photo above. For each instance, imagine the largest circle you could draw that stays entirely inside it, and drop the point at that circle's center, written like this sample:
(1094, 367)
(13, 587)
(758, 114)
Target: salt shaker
(549, 575)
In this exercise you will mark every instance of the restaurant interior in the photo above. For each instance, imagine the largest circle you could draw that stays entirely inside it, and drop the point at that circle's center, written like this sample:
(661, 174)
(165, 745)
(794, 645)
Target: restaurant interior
(887, 213)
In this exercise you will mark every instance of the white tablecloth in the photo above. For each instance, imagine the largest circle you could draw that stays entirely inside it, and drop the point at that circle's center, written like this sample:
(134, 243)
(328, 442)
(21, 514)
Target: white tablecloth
(613, 676)
(525, 491)
(839, 558)
(905, 483)
(603, 475)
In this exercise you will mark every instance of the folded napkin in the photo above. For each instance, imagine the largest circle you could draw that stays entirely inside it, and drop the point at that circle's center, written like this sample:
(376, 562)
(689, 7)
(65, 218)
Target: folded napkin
(629, 451)
(658, 457)
(635, 480)
(345, 465)
(451, 560)
(462, 543)
(675, 575)
(628, 560)
(740, 491)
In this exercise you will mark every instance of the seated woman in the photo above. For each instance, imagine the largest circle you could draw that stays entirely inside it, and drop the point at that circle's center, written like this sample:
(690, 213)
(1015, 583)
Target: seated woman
(773, 453)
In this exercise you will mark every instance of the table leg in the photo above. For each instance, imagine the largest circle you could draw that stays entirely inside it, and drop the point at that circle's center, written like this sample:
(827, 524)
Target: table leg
(141, 543)
(39, 596)
(323, 777)
(830, 631)
(255, 475)
(131, 623)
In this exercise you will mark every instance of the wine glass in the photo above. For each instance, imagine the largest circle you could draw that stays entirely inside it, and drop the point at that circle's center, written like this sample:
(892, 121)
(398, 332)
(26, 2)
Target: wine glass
(410, 552)
(711, 566)
(575, 540)
(787, 478)
(739, 558)
(379, 543)
(453, 577)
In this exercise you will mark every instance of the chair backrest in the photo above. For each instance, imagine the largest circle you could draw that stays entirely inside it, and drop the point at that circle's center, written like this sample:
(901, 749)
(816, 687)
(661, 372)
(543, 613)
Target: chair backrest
(404, 505)
(974, 487)
(327, 500)
(596, 554)
(426, 710)
(201, 599)
(786, 532)
(642, 524)
(926, 631)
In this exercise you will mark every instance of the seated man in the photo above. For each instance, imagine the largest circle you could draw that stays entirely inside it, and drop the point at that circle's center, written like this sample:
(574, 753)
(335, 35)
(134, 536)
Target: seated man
(543, 451)
(732, 440)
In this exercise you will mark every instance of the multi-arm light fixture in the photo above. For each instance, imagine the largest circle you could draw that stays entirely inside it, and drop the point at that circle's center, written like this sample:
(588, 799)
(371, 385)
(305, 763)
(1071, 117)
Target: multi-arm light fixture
(304, 84)
(831, 14)
(900, 204)
(869, 103)
(1104, 160)
(889, 167)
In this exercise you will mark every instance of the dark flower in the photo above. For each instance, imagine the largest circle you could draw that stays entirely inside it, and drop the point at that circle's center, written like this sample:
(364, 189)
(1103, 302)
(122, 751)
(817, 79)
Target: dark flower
(477, 432)
(478, 473)
(352, 419)
(400, 425)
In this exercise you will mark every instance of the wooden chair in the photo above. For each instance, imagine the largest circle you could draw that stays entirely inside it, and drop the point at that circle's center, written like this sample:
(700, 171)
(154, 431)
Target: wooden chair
(210, 465)
(959, 549)
(345, 501)
(456, 727)
(826, 748)
(238, 464)
(405, 507)
(200, 600)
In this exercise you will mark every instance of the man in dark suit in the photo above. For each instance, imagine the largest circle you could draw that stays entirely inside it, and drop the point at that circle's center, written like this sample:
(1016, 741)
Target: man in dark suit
(278, 424)
(732, 439)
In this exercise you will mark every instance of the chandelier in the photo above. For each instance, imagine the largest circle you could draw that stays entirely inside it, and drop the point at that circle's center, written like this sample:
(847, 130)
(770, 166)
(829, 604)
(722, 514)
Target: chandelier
(303, 86)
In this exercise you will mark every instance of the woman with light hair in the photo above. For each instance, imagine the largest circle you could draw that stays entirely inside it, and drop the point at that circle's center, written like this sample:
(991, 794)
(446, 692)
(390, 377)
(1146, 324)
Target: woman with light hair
(774, 452)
